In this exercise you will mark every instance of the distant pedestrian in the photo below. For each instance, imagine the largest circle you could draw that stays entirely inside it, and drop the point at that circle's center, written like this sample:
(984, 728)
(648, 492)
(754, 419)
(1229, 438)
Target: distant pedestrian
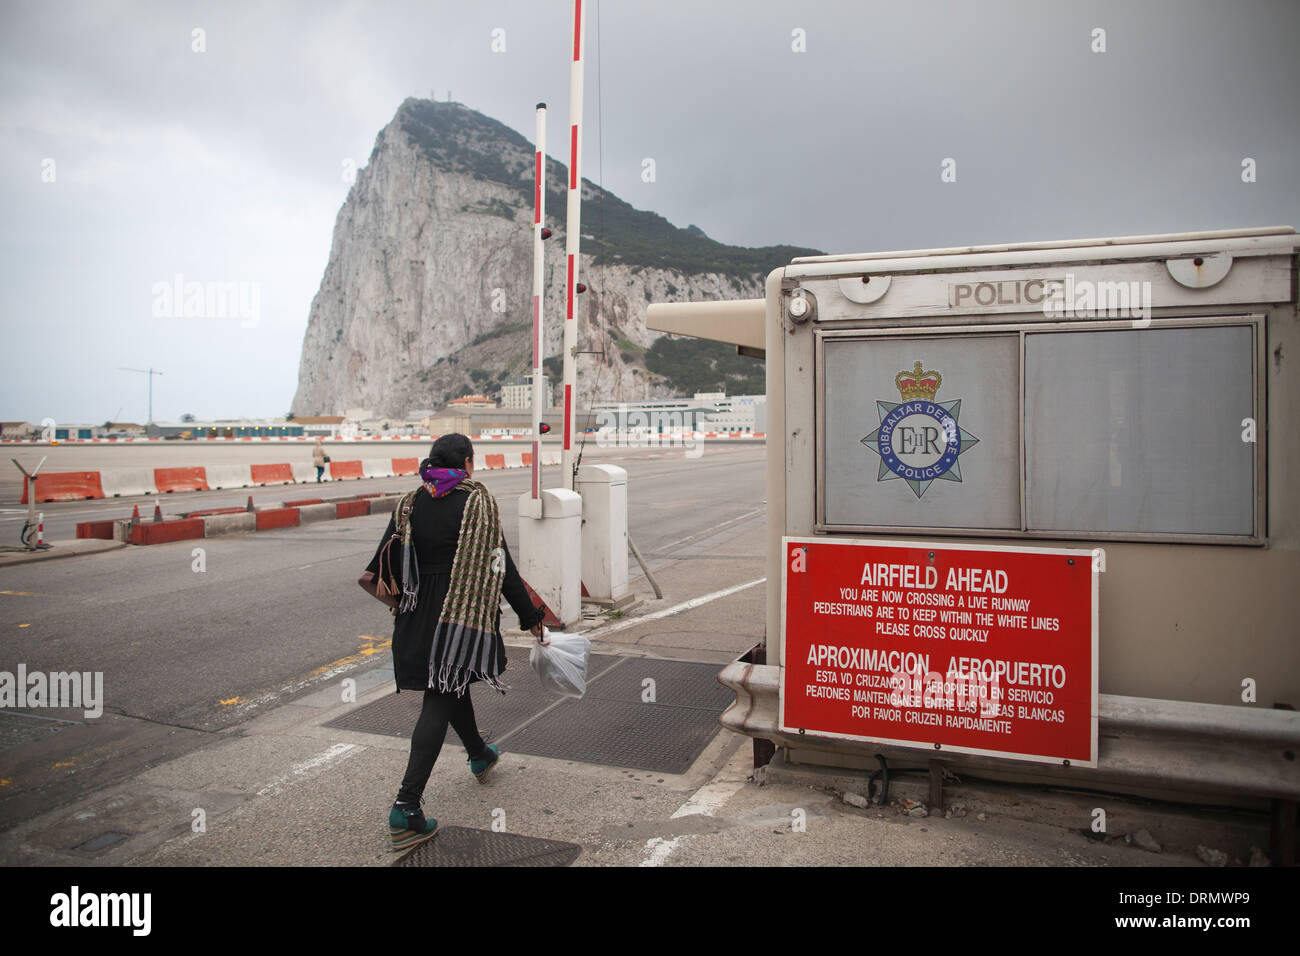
(318, 458)
(442, 566)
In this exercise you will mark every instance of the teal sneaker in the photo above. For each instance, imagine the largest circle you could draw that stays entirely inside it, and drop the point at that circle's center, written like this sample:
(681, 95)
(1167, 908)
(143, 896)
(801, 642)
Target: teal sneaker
(407, 827)
(480, 768)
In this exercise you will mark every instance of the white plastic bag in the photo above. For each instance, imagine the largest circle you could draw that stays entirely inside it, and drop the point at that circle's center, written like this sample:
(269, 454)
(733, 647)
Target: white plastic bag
(560, 661)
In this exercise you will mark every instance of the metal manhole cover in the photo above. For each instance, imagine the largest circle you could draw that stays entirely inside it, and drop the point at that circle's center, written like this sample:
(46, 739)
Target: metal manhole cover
(616, 733)
(465, 846)
(680, 683)
(396, 714)
(104, 841)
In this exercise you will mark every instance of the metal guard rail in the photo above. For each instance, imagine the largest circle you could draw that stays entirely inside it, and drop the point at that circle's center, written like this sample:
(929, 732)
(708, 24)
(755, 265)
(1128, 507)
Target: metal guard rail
(1146, 743)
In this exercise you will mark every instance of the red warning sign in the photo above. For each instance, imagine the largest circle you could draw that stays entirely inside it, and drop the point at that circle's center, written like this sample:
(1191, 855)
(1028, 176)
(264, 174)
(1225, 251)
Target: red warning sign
(985, 650)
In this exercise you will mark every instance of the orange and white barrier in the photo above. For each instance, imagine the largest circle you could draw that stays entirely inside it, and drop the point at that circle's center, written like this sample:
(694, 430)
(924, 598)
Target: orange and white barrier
(128, 482)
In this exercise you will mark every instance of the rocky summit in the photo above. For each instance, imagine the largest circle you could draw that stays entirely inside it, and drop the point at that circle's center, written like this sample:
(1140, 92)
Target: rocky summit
(427, 292)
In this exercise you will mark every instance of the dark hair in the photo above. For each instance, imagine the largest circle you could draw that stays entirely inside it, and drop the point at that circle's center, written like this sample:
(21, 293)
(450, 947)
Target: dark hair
(449, 451)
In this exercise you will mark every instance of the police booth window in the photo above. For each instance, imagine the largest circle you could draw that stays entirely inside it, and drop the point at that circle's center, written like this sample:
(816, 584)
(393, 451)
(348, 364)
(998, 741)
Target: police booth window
(1124, 431)
(1142, 431)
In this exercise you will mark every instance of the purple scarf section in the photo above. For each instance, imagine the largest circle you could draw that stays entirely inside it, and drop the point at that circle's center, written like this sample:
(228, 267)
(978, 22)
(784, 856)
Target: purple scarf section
(439, 481)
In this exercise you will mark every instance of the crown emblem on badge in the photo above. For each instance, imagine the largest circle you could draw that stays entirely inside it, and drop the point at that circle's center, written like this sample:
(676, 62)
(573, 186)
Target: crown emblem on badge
(918, 384)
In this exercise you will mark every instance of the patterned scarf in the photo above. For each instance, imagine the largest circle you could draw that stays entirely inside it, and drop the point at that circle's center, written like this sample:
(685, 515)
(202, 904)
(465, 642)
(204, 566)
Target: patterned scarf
(439, 481)
(467, 639)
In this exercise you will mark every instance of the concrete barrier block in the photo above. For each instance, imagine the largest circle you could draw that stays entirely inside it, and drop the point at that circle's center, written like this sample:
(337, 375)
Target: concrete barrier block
(551, 456)
(95, 529)
(204, 512)
(167, 480)
(229, 476)
(66, 486)
(383, 505)
(229, 523)
(277, 474)
(515, 459)
(377, 467)
(320, 512)
(277, 518)
(299, 502)
(339, 470)
(304, 474)
(123, 482)
(352, 509)
(164, 532)
(405, 466)
(491, 461)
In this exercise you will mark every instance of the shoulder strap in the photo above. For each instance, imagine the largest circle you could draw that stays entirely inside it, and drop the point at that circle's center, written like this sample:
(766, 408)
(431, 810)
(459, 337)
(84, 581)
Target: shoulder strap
(402, 513)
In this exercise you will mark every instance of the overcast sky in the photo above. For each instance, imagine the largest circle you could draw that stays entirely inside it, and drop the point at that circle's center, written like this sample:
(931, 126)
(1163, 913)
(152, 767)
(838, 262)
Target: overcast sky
(127, 158)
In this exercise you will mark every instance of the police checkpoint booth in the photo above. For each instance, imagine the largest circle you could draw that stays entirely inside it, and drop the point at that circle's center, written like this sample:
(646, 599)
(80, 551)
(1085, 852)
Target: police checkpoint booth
(1032, 513)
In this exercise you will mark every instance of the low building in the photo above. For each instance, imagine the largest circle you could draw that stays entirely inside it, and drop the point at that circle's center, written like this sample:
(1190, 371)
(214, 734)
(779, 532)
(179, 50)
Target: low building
(320, 426)
(17, 430)
(80, 432)
(244, 428)
(123, 430)
(703, 412)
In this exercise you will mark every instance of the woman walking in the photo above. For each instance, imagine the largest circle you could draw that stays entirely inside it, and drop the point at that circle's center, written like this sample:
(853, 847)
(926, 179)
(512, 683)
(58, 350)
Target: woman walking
(442, 567)
(318, 458)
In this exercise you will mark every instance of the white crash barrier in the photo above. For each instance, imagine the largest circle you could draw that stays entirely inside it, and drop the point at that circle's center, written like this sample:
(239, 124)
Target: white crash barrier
(229, 476)
(127, 481)
(376, 467)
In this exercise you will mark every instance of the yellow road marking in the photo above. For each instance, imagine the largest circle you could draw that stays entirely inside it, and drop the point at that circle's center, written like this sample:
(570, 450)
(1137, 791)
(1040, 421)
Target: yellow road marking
(5, 781)
(369, 646)
(24, 593)
(64, 763)
(24, 625)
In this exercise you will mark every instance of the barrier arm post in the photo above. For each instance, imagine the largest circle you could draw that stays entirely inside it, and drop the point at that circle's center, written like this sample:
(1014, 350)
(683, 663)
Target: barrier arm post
(572, 237)
(532, 508)
(29, 480)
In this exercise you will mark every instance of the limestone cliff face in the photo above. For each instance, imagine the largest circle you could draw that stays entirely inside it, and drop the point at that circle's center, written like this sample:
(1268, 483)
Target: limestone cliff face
(427, 292)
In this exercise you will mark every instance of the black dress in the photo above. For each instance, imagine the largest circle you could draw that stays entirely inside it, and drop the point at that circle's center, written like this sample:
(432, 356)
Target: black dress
(435, 529)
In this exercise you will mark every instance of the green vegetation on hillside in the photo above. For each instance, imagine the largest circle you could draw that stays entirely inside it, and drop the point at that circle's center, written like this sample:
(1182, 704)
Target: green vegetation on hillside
(492, 207)
(507, 329)
(698, 365)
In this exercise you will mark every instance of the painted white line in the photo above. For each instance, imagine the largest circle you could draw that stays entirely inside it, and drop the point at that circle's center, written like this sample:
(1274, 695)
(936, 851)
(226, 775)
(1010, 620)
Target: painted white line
(705, 802)
(666, 612)
(709, 798)
(658, 850)
(307, 766)
(717, 528)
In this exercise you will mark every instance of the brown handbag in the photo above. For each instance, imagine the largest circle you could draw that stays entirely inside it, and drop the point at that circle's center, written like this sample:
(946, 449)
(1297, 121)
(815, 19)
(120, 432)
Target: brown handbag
(386, 580)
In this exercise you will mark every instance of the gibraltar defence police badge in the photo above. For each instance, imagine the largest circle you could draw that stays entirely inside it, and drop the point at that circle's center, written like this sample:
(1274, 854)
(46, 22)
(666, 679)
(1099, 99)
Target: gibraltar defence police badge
(919, 439)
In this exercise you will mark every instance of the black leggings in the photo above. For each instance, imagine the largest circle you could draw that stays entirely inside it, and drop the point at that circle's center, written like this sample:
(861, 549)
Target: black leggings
(430, 730)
